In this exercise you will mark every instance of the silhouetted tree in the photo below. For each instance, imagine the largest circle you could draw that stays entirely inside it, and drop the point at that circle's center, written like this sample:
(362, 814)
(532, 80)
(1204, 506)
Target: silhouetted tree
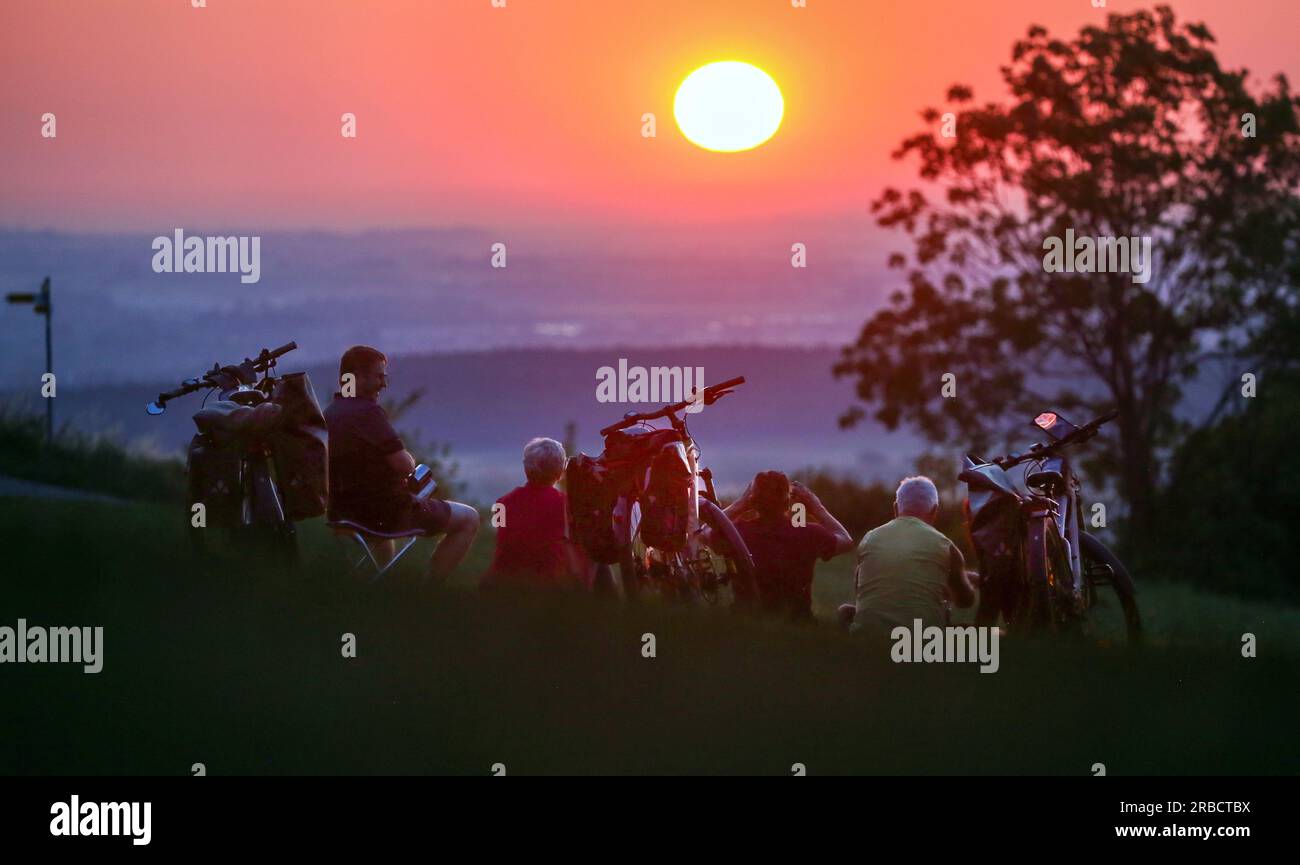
(1127, 130)
(1212, 529)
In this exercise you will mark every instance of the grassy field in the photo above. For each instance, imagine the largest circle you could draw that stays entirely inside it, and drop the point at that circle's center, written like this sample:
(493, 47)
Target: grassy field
(242, 671)
(1174, 615)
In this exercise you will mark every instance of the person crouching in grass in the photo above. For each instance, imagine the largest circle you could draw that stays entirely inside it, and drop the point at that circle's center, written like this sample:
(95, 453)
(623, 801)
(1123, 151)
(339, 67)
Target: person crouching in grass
(785, 545)
(533, 548)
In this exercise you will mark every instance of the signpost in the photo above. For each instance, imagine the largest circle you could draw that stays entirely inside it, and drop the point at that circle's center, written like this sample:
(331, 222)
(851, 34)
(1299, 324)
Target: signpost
(42, 305)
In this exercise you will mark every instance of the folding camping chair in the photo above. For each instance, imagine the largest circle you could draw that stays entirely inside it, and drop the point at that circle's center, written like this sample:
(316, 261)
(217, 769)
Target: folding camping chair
(365, 537)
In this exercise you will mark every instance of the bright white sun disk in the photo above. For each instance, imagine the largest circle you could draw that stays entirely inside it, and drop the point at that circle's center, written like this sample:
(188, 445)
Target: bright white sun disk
(728, 106)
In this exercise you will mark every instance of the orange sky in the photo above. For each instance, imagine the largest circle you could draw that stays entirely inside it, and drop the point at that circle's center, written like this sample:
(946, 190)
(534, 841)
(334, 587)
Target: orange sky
(526, 116)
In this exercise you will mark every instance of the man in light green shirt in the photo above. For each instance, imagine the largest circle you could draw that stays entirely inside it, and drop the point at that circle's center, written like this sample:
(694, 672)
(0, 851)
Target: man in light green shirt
(907, 568)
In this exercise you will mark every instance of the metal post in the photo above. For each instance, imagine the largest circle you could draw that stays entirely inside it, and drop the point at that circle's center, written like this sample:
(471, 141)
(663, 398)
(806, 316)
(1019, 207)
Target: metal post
(48, 305)
(42, 304)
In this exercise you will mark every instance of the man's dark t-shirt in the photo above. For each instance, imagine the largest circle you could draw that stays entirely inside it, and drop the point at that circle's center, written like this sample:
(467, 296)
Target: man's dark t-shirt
(363, 486)
(784, 558)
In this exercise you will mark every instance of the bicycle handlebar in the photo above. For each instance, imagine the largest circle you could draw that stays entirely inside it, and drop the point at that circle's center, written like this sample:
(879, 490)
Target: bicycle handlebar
(1079, 436)
(709, 395)
(264, 360)
(274, 354)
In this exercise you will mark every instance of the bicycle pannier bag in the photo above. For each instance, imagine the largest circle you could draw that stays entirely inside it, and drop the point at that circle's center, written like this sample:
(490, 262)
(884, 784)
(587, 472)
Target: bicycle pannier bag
(299, 447)
(666, 506)
(215, 481)
(590, 493)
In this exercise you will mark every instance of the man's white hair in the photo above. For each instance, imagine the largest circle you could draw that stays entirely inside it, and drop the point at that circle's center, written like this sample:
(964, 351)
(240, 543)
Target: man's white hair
(916, 497)
(543, 459)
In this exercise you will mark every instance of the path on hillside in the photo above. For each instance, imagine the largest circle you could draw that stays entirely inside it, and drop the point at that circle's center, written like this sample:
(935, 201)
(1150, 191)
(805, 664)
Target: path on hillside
(31, 489)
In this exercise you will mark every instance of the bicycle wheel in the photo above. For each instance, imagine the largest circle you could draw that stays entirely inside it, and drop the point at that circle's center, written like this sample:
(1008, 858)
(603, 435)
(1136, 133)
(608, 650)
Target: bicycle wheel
(1113, 616)
(634, 569)
(729, 546)
(1037, 609)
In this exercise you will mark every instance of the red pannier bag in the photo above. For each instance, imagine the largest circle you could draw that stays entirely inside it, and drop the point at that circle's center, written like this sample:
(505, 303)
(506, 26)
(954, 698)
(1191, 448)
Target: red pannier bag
(666, 504)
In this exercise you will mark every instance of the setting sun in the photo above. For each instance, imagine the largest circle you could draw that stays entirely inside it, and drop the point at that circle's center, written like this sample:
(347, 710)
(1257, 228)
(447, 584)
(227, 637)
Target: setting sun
(728, 106)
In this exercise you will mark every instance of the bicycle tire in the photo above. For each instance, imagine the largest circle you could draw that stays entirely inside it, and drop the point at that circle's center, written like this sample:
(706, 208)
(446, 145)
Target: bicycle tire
(1090, 547)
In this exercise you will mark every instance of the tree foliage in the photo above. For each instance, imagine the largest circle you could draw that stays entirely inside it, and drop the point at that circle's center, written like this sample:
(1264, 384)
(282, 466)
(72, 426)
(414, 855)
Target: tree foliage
(1131, 129)
(1226, 518)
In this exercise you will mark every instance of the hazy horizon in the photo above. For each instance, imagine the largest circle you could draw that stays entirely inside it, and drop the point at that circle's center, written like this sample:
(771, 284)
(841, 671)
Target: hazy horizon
(409, 291)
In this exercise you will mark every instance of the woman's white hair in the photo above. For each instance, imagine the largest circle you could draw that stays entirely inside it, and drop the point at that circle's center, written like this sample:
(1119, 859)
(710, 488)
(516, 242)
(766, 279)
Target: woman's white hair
(916, 497)
(543, 460)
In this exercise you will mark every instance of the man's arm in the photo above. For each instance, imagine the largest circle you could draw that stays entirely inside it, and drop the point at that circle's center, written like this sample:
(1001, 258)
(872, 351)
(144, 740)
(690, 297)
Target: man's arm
(741, 504)
(580, 566)
(843, 540)
(733, 511)
(402, 462)
(379, 432)
(959, 584)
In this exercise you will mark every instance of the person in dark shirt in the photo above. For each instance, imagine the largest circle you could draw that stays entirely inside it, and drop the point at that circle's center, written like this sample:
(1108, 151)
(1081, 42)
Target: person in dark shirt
(533, 547)
(369, 464)
(787, 529)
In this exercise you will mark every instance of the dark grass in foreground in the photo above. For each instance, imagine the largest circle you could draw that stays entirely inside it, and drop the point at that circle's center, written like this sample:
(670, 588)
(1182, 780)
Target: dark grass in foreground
(243, 672)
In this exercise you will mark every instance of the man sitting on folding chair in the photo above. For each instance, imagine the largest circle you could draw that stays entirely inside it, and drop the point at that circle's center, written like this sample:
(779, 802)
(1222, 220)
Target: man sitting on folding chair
(370, 487)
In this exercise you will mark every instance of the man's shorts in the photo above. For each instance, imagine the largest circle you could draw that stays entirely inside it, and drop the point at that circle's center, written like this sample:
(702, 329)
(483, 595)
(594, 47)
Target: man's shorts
(432, 515)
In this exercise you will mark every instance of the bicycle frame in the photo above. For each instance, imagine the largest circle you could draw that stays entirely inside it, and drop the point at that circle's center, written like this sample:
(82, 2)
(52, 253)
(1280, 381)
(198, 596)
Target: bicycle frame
(1054, 478)
(627, 507)
(1029, 540)
(663, 473)
(261, 498)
